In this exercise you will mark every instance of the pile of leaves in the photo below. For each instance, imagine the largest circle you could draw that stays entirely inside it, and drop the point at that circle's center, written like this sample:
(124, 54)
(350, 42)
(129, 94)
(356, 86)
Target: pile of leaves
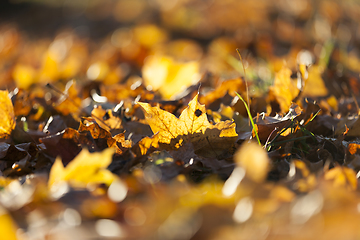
(144, 135)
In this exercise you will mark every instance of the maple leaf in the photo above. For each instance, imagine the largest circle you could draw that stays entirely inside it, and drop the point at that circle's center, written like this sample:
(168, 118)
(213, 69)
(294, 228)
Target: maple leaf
(7, 115)
(86, 168)
(192, 123)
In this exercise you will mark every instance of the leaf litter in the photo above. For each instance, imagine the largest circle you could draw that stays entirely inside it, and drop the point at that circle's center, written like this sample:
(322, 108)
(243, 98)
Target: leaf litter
(144, 132)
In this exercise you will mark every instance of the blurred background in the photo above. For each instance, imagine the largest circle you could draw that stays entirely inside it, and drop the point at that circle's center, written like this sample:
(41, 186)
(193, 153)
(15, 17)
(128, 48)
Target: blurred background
(110, 41)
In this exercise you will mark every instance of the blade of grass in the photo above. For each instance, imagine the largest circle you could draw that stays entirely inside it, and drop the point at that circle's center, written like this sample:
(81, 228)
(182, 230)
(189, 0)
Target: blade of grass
(250, 117)
(247, 106)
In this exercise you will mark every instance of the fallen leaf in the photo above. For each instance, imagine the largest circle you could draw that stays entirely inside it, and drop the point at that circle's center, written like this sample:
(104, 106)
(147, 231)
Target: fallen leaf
(101, 136)
(254, 160)
(284, 89)
(353, 148)
(229, 86)
(8, 226)
(105, 118)
(192, 123)
(86, 168)
(121, 143)
(7, 122)
(168, 76)
(69, 102)
(142, 147)
(314, 84)
(267, 127)
(24, 76)
(342, 176)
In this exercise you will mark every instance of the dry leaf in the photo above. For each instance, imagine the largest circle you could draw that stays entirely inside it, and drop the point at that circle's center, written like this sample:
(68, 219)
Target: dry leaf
(192, 123)
(142, 147)
(353, 148)
(7, 116)
(254, 160)
(229, 86)
(70, 102)
(111, 122)
(342, 176)
(8, 227)
(86, 168)
(168, 76)
(284, 89)
(314, 84)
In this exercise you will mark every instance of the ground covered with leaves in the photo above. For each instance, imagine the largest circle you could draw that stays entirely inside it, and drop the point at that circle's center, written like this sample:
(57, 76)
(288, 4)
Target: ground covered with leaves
(137, 119)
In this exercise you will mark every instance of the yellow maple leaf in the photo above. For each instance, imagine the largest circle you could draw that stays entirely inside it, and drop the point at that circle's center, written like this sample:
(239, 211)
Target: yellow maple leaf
(192, 123)
(168, 76)
(7, 116)
(86, 168)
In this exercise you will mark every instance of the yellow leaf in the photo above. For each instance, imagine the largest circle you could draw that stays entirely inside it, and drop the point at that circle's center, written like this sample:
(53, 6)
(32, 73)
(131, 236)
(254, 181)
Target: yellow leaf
(169, 77)
(146, 143)
(7, 226)
(314, 84)
(192, 123)
(149, 35)
(24, 76)
(254, 160)
(84, 169)
(284, 89)
(162, 122)
(342, 176)
(7, 116)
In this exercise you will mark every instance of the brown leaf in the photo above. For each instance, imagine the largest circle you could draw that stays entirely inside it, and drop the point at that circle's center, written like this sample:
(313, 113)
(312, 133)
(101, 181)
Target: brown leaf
(111, 122)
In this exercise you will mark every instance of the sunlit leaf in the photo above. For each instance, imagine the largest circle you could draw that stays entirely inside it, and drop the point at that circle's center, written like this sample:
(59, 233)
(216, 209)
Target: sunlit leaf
(7, 122)
(342, 176)
(168, 76)
(314, 84)
(253, 158)
(86, 168)
(8, 227)
(284, 89)
(192, 123)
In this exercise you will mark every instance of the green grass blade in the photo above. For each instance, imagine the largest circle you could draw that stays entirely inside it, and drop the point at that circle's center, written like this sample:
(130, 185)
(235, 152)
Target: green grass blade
(251, 119)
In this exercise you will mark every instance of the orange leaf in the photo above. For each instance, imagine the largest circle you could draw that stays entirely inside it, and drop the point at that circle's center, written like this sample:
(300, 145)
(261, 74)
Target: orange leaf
(353, 148)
